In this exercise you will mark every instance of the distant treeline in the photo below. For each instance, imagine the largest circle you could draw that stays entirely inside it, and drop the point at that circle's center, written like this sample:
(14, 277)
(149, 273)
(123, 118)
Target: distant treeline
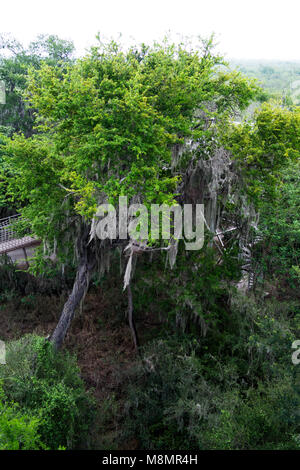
(279, 78)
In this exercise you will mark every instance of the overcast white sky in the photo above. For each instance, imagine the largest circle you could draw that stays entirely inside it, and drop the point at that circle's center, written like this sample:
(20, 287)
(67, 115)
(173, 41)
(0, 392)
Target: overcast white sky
(249, 29)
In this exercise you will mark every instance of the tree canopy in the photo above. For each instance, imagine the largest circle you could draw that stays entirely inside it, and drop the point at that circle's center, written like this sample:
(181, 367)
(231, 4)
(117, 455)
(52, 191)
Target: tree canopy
(139, 123)
(15, 60)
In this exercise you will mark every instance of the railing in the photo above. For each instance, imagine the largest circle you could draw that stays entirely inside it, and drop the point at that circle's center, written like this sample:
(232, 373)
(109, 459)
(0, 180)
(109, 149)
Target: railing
(7, 232)
(10, 240)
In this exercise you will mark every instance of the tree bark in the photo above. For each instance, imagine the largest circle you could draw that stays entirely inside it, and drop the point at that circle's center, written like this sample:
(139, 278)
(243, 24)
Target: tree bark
(80, 287)
(130, 319)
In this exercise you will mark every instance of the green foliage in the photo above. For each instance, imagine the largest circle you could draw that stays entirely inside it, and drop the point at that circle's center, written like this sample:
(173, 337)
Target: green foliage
(266, 419)
(107, 125)
(18, 430)
(278, 253)
(221, 376)
(8, 275)
(235, 388)
(15, 283)
(15, 116)
(263, 147)
(47, 384)
(14, 63)
(192, 295)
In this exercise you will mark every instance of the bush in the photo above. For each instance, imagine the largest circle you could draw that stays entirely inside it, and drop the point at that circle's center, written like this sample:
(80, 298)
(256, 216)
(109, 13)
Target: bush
(18, 430)
(48, 384)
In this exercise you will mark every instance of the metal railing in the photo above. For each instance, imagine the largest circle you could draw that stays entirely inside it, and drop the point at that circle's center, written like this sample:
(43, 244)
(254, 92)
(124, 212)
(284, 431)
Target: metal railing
(10, 240)
(7, 231)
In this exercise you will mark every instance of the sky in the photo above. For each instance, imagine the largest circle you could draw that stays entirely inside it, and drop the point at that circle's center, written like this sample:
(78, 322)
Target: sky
(244, 29)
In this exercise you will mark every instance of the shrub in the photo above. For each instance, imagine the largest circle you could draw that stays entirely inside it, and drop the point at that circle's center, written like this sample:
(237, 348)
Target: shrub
(48, 384)
(18, 430)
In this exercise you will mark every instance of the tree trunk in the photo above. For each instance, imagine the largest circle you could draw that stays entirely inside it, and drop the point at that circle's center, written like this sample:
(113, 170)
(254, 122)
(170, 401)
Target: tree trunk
(80, 287)
(130, 319)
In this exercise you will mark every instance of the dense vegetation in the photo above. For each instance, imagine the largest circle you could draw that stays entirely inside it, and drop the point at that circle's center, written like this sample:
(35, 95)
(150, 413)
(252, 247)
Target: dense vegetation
(50, 406)
(159, 124)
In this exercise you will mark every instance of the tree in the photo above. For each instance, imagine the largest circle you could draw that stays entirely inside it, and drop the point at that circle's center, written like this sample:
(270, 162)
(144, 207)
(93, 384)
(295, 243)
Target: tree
(278, 252)
(14, 63)
(263, 146)
(110, 125)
